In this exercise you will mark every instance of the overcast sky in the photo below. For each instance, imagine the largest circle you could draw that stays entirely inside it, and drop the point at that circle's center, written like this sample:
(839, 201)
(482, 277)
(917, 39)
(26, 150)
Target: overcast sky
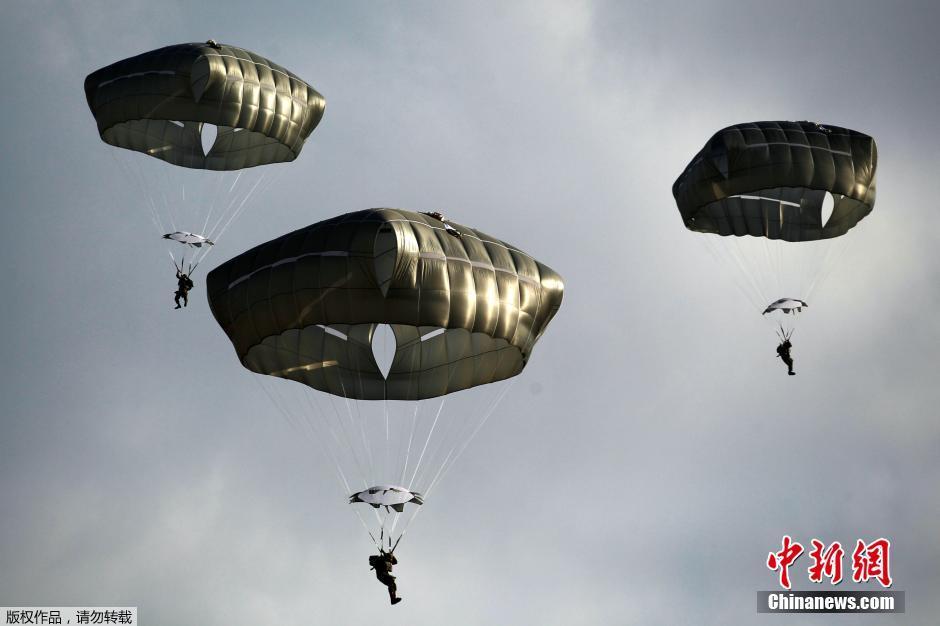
(651, 454)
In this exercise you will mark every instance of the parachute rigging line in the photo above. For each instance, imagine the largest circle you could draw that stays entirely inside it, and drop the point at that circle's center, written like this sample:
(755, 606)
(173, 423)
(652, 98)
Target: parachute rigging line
(344, 483)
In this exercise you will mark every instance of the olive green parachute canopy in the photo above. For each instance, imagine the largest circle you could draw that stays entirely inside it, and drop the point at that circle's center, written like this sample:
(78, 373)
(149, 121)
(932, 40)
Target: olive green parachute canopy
(466, 309)
(158, 102)
(769, 179)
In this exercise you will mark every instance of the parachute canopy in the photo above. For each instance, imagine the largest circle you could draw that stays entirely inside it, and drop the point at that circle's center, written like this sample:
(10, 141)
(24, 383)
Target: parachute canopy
(189, 239)
(787, 305)
(770, 179)
(465, 311)
(158, 103)
(387, 495)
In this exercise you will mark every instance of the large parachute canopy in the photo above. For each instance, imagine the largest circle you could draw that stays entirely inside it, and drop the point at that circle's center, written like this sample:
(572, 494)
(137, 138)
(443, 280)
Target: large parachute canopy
(217, 114)
(159, 102)
(770, 179)
(465, 311)
(778, 195)
(384, 315)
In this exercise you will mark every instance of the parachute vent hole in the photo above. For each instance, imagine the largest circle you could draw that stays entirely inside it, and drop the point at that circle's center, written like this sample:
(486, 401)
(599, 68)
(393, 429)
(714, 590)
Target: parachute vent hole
(383, 348)
(434, 333)
(177, 122)
(207, 134)
(828, 204)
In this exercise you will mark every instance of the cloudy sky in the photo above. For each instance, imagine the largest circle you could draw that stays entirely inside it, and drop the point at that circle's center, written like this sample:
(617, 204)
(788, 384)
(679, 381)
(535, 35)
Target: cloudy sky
(652, 453)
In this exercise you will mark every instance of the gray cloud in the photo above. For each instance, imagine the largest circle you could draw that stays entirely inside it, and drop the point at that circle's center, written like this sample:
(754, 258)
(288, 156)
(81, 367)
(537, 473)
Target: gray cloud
(141, 465)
